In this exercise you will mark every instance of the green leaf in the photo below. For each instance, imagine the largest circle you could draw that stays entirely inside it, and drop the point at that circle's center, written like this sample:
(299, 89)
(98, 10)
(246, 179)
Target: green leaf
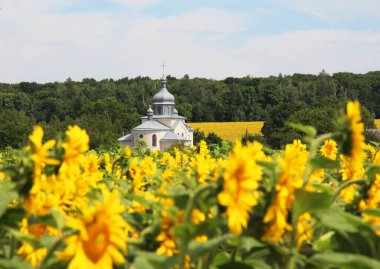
(306, 201)
(7, 194)
(352, 233)
(372, 171)
(14, 263)
(268, 165)
(259, 264)
(24, 237)
(221, 258)
(60, 219)
(235, 265)
(197, 249)
(338, 220)
(323, 243)
(141, 200)
(249, 243)
(344, 261)
(372, 212)
(13, 217)
(181, 200)
(322, 162)
(146, 260)
(308, 130)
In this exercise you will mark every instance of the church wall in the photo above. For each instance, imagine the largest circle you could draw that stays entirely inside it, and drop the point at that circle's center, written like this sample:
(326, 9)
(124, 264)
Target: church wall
(181, 129)
(165, 144)
(148, 138)
(127, 144)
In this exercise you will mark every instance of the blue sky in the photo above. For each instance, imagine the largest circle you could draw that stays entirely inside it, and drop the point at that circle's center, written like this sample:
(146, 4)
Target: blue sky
(51, 40)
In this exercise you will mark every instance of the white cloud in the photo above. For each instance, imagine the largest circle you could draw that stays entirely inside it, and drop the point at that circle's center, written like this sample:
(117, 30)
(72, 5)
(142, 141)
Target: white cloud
(335, 10)
(136, 3)
(41, 45)
(202, 20)
(311, 51)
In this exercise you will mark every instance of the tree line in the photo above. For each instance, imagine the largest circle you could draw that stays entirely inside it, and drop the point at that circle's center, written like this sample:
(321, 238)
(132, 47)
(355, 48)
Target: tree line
(108, 108)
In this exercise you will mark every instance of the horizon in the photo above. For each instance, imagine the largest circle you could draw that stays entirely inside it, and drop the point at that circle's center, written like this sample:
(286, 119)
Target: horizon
(197, 77)
(51, 40)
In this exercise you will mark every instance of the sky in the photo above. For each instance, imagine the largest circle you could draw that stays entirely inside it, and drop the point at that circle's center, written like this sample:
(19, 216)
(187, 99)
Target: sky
(52, 40)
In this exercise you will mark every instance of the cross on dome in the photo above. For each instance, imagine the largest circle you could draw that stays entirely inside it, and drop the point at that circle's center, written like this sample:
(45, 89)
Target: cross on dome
(163, 69)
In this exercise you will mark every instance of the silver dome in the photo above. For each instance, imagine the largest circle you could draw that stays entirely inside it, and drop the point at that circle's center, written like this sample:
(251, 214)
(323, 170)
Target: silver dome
(163, 96)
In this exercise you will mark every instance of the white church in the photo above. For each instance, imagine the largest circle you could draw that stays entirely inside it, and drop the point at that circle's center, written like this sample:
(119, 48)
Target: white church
(162, 127)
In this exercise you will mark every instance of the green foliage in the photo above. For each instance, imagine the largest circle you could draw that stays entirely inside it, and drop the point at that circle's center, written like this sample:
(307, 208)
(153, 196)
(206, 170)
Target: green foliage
(277, 130)
(272, 99)
(247, 137)
(15, 126)
(211, 138)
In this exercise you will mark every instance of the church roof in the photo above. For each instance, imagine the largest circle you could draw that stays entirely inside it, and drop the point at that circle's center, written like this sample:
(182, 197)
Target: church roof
(163, 96)
(165, 117)
(126, 138)
(187, 126)
(172, 137)
(151, 125)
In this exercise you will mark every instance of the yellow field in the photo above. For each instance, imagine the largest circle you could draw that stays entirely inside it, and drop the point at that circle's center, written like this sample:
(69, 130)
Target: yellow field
(229, 130)
(235, 130)
(377, 122)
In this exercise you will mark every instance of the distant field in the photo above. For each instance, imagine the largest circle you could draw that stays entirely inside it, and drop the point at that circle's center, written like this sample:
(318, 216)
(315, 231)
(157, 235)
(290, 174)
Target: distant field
(229, 130)
(235, 130)
(377, 122)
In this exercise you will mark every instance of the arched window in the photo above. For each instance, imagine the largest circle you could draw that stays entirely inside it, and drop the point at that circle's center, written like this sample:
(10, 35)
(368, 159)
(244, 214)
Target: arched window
(154, 140)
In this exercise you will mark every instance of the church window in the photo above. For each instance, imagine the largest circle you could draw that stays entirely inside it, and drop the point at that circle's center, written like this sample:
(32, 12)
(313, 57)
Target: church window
(141, 136)
(154, 140)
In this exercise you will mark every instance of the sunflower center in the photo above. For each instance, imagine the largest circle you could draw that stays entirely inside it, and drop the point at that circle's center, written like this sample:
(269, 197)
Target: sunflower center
(328, 149)
(37, 229)
(98, 240)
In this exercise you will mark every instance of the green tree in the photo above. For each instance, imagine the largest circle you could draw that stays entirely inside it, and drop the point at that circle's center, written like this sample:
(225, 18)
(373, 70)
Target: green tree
(15, 126)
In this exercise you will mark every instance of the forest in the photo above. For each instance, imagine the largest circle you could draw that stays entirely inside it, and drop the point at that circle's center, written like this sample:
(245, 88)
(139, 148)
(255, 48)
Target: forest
(108, 108)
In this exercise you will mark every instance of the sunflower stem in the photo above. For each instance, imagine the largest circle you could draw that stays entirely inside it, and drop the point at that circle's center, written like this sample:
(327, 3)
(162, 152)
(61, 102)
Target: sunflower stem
(13, 244)
(187, 219)
(314, 145)
(291, 262)
(233, 254)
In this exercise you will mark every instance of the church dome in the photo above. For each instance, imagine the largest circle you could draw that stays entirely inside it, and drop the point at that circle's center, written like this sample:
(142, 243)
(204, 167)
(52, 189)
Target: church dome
(163, 96)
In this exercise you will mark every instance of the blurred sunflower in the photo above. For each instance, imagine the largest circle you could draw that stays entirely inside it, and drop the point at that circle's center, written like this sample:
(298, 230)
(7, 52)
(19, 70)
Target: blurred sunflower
(101, 235)
(78, 142)
(292, 165)
(40, 151)
(241, 180)
(353, 148)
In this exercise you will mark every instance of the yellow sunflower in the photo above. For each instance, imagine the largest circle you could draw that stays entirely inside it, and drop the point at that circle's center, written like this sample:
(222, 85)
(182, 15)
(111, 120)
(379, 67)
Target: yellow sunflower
(352, 165)
(292, 165)
(40, 151)
(78, 142)
(372, 200)
(329, 149)
(101, 235)
(241, 180)
(357, 154)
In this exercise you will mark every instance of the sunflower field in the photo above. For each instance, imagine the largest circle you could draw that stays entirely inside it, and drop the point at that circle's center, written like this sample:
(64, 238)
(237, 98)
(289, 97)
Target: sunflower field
(377, 123)
(230, 131)
(315, 204)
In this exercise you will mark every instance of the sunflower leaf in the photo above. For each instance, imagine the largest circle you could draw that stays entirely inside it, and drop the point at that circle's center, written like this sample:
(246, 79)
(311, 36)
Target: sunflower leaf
(306, 201)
